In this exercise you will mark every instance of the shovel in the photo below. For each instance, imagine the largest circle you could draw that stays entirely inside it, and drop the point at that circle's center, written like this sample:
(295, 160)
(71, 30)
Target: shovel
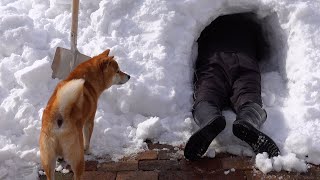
(64, 59)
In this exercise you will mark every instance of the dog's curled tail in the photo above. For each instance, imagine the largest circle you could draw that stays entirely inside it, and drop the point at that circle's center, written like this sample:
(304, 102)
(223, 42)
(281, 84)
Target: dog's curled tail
(69, 95)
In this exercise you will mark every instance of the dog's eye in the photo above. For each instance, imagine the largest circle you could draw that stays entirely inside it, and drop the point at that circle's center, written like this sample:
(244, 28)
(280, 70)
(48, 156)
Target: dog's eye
(118, 71)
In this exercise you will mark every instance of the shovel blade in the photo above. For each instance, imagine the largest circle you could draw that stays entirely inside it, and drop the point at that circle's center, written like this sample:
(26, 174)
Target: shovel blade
(61, 62)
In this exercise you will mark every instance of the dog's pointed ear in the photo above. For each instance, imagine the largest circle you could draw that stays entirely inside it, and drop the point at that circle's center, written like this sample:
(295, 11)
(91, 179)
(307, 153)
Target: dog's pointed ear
(106, 52)
(105, 64)
(107, 61)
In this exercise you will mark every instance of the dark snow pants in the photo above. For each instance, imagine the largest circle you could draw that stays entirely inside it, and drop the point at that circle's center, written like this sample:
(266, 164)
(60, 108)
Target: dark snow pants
(225, 79)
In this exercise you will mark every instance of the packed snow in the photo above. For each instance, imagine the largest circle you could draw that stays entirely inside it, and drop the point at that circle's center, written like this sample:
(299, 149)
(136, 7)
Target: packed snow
(155, 42)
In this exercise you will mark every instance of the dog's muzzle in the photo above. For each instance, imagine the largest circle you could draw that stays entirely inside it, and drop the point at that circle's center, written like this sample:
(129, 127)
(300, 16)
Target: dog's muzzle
(124, 79)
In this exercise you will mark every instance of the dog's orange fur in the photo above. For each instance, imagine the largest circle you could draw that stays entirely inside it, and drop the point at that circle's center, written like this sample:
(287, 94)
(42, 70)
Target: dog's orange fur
(73, 105)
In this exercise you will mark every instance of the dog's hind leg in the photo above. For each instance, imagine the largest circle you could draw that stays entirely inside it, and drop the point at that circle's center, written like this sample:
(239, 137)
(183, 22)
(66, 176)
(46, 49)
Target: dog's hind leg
(47, 156)
(87, 133)
(74, 154)
(49, 165)
(49, 168)
(77, 166)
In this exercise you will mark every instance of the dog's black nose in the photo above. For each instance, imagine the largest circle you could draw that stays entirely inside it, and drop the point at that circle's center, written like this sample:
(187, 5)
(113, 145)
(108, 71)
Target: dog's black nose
(128, 77)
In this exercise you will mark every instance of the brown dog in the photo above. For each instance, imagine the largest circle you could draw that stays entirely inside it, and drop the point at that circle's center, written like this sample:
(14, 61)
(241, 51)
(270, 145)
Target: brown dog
(67, 121)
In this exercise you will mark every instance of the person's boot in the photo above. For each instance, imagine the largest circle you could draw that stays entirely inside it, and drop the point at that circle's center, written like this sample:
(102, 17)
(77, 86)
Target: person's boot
(211, 123)
(249, 119)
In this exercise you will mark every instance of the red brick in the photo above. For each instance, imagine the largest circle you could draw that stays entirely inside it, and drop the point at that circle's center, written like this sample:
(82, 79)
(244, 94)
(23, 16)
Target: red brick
(131, 157)
(179, 175)
(257, 175)
(91, 165)
(160, 146)
(283, 175)
(254, 175)
(170, 154)
(119, 166)
(224, 155)
(238, 162)
(59, 176)
(201, 166)
(220, 175)
(293, 175)
(91, 175)
(162, 165)
(141, 175)
(147, 155)
(314, 171)
(164, 155)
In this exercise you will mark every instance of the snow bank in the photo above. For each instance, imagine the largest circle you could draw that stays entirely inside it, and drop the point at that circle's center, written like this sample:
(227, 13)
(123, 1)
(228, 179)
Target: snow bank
(287, 162)
(155, 42)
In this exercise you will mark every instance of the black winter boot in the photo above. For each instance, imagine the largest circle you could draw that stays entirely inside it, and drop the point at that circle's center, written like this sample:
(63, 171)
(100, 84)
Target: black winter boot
(250, 117)
(211, 123)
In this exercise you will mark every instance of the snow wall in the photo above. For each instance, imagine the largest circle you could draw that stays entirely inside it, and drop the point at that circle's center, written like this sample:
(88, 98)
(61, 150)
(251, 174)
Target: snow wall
(155, 42)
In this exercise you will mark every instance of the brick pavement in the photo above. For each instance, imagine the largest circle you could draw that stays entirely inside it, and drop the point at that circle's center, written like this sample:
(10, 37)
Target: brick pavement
(164, 162)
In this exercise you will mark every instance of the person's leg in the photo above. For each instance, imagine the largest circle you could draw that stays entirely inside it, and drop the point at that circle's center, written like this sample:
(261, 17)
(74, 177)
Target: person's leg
(210, 94)
(208, 117)
(246, 83)
(247, 103)
(246, 127)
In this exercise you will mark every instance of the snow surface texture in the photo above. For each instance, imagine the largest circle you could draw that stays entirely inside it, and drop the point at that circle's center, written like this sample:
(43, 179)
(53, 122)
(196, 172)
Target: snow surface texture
(155, 42)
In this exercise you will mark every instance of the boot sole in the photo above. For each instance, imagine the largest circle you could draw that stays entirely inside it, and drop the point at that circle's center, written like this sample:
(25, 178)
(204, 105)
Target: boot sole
(258, 141)
(199, 142)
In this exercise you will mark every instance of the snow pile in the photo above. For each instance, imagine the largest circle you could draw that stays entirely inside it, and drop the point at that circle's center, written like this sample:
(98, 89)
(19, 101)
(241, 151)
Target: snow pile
(155, 42)
(287, 162)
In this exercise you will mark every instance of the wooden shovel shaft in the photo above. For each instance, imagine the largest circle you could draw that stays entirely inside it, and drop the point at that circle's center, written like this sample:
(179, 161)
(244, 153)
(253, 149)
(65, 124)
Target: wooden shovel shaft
(74, 31)
(74, 24)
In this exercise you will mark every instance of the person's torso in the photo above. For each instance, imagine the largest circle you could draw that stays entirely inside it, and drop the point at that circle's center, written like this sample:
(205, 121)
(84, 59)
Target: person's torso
(233, 33)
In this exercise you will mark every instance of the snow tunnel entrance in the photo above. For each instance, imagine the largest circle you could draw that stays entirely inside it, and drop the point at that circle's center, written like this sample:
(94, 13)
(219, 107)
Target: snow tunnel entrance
(270, 48)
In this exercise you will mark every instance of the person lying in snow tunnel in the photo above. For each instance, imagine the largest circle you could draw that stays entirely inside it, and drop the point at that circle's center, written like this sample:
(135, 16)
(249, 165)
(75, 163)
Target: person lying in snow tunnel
(227, 75)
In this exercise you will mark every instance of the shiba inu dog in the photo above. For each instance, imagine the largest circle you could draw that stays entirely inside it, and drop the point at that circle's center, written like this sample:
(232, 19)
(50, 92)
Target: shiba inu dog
(67, 121)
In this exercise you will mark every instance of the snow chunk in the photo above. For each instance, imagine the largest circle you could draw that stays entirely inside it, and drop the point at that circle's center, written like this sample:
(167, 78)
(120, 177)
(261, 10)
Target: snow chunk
(36, 75)
(263, 162)
(288, 162)
(149, 129)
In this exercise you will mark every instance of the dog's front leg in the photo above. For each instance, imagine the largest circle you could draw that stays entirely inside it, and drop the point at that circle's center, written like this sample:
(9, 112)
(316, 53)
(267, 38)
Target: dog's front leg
(87, 132)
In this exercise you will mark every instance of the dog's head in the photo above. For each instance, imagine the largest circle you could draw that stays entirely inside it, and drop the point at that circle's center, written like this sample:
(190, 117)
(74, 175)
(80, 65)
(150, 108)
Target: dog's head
(111, 72)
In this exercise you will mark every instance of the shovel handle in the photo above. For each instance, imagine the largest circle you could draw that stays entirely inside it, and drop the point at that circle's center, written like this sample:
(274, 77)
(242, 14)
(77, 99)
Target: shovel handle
(74, 32)
(74, 25)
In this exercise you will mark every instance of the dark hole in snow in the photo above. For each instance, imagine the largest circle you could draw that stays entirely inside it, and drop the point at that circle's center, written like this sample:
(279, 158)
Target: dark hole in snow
(274, 41)
(272, 62)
